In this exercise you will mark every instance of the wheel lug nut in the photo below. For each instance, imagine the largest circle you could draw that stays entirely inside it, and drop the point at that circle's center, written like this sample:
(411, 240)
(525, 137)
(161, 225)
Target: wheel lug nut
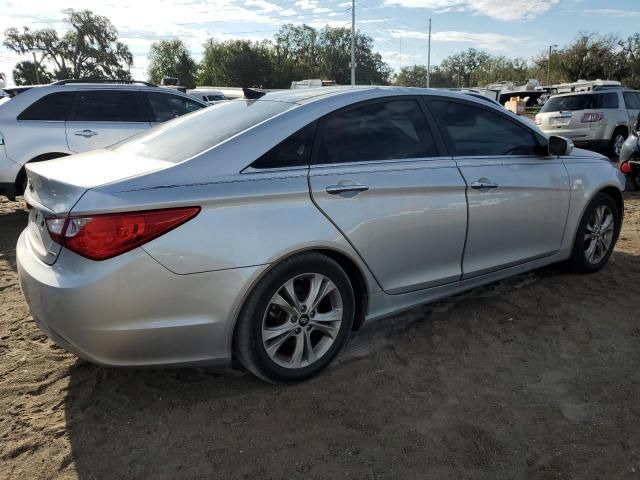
(309, 327)
(313, 313)
(294, 319)
(298, 330)
(304, 308)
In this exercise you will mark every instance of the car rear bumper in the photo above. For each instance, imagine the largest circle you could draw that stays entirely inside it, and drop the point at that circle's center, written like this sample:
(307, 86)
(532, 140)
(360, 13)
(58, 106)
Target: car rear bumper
(131, 311)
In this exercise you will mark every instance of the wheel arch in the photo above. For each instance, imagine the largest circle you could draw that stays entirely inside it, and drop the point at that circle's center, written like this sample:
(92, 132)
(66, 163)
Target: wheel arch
(352, 269)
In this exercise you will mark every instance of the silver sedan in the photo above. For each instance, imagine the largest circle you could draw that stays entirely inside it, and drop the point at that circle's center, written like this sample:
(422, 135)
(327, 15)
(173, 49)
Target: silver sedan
(270, 229)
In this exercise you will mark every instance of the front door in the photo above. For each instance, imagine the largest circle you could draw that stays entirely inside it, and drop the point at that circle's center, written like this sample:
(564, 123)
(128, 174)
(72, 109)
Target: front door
(103, 117)
(518, 199)
(377, 174)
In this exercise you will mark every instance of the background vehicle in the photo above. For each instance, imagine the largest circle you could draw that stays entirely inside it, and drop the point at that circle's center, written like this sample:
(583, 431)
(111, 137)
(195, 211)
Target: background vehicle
(600, 119)
(208, 95)
(301, 215)
(66, 117)
(630, 159)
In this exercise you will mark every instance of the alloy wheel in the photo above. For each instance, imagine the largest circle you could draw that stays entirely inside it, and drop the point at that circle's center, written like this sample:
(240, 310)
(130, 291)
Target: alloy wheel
(302, 320)
(598, 235)
(618, 142)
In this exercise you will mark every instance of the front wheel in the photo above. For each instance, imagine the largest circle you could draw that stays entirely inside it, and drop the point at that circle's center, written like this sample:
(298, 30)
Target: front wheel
(596, 235)
(296, 320)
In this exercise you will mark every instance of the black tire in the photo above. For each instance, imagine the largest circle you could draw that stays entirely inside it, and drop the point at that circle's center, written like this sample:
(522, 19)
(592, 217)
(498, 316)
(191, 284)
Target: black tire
(249, 348)
(619, 133)
(578, 261)
(631, 182)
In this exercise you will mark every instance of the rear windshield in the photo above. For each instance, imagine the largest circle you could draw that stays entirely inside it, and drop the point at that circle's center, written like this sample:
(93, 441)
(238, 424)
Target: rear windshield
(581, 102)
(191, 134)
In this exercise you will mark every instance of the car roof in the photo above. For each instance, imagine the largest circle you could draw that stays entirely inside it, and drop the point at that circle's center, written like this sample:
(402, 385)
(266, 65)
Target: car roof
(306, 95)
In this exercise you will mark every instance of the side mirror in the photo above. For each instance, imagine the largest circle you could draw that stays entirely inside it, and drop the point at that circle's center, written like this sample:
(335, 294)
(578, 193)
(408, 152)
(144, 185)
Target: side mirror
(560, 146)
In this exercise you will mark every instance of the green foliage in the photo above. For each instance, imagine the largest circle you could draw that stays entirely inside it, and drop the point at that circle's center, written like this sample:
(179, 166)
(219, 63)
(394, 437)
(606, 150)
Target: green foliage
(296, 53)
(171, 58)
(24, 73)
(236, 63)
(89, 49)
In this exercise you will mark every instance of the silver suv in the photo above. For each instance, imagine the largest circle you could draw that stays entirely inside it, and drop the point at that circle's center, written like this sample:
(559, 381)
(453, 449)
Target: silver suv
(66, 117)
(599, 119)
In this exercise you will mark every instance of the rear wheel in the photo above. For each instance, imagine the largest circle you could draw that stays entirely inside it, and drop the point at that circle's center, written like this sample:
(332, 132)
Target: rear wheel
(597, 235)
(296, 320)
(617, 141)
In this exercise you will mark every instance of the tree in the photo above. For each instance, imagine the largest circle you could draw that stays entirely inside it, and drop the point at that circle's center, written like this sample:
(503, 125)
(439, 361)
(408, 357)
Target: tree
(236, 63)
(24, 73)
(171, 58)
(89, 49)
(335, 56)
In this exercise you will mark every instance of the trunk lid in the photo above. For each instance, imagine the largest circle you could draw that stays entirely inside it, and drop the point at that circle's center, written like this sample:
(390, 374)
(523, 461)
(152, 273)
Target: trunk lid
(55, 186)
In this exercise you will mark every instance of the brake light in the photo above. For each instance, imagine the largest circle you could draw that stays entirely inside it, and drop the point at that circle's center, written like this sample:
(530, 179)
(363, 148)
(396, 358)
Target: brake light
(592, 117)
(625, 168)
(105, 236)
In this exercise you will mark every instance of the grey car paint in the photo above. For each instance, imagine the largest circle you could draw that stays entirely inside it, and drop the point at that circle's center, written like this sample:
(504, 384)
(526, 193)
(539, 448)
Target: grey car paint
(176, 299)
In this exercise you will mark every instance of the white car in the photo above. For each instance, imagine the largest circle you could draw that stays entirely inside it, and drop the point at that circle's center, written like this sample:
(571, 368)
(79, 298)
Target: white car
(67, 117)
(208, 95)
(597, 119)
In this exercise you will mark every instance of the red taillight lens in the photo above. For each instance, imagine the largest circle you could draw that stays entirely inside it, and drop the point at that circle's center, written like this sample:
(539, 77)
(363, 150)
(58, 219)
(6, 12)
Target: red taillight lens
(592, 117)
(105, 236)
(625, 168)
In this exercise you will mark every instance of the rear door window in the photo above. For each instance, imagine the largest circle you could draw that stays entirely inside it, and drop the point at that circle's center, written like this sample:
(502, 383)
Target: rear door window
(475, 131)
(388, 130)
(606, 100)
(53, 107)
(165, 106)
(632, 100)
(294, 151)
(108, 106)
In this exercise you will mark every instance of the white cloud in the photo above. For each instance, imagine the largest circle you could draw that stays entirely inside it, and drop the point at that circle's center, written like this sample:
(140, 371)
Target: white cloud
(612, 12)
(507, 10)
(307, 4)
(488, 41)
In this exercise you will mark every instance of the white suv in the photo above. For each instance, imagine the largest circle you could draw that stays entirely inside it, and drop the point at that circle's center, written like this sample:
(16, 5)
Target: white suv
(67, 117)
(599, 119)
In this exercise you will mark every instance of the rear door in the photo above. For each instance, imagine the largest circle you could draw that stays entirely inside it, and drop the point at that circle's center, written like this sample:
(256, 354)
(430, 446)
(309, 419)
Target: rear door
(379, 175)
(518, 199)
(103, 117)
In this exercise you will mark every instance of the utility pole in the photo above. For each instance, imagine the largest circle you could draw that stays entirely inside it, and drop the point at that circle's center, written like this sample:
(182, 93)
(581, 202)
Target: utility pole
(353, 43)
(429, 57)
(551, 47)
(35, 65)
(401, 54)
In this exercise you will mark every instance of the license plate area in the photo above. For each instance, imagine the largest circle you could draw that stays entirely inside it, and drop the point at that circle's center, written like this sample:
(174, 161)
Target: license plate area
(43, 246)
(560, 121)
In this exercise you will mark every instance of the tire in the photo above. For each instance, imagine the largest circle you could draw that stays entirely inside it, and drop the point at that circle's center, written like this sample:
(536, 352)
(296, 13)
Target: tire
(617, 140)
(283, 340)
(631, 182)
(591, 229)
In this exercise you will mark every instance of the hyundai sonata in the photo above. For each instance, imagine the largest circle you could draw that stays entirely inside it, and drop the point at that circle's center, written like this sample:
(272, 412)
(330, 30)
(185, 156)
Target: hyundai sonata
(270, 229)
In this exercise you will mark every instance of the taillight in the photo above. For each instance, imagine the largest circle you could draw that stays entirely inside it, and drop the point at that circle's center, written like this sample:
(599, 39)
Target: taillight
(592, 117)
(625, 168)
(105, 236)
(538, 120)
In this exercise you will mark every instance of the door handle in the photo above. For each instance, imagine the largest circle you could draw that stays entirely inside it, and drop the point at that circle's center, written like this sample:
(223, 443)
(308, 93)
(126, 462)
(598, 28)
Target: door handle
(346, 188)
(85, 133)
(483, 184)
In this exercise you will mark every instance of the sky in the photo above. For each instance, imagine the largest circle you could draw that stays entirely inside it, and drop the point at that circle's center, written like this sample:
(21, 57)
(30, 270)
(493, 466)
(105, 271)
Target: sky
(515, 28)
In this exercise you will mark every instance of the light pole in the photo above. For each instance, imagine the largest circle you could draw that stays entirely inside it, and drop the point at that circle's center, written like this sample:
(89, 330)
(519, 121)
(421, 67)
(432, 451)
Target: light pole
(353, 42)
(429, 57)
(551, 47)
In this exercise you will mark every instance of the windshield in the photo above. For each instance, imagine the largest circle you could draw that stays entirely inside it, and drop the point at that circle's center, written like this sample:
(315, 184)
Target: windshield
(581, 102)
(191, 134)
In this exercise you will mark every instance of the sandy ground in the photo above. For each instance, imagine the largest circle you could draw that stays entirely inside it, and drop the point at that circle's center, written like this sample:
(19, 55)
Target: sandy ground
(536, 377)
